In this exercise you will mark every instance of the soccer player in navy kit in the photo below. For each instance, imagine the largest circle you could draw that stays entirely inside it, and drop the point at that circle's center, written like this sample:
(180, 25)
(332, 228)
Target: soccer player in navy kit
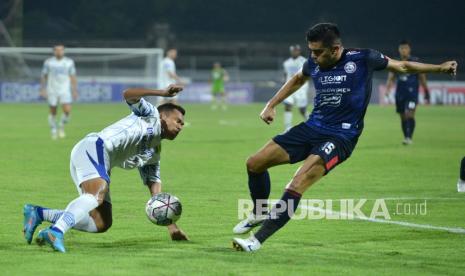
(407, 92)
(342, 80)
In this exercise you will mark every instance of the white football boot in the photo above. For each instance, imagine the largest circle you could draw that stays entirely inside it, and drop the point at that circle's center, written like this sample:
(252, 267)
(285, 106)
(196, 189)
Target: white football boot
(407, 141)
(61, 132)
(461, 186)
(249, 223)
(249, 245)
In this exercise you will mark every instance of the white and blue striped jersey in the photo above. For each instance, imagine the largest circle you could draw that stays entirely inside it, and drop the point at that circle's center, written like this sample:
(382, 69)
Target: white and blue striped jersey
(58, 73)
(135, 141)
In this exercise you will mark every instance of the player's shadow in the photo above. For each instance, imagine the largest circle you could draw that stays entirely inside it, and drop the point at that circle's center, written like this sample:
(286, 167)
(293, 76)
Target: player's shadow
(136, 243)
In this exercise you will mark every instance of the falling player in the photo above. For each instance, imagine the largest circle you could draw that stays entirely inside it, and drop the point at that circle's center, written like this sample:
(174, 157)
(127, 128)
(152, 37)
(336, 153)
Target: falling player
(292, 66)
(168, 73)
(218, 77)
(134, 141)
(59, 86)
(342, 80)
(407, 92)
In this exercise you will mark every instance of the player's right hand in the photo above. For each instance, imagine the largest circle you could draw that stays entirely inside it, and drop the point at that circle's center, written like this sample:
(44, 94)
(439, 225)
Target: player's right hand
(172, 90)
(449, 67)
(267, 115)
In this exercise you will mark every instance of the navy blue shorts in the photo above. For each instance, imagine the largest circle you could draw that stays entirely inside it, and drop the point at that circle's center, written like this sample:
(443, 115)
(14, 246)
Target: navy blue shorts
(406, 104)
(301, 141)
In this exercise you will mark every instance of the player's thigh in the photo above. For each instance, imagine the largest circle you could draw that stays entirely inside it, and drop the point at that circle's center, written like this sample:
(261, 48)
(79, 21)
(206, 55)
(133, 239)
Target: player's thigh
(310, 172)
(97, 187)
(52, 99)
(268, 156)
(89, 167)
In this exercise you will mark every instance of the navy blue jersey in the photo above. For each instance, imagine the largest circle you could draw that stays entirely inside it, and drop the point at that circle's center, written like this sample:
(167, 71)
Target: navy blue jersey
(407, 84)
(343, 91)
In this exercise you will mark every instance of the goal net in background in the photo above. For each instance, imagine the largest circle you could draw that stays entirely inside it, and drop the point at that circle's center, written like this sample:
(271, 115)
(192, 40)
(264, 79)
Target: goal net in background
(102, 72)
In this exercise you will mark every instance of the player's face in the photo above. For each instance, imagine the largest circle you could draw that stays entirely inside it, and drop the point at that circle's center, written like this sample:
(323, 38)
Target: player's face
(173, 54)
(59, 51)
(323, 56)
(172, 123)
(404, 50)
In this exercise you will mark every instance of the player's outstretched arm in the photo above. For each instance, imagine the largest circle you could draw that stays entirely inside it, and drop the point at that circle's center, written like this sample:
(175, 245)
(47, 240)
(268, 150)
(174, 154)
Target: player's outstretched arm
(175, 232)
(133, 95)
(404, 66)
(292, 85)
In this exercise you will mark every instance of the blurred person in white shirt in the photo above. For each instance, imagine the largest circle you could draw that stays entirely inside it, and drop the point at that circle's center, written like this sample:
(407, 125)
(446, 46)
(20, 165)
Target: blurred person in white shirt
(59, 86)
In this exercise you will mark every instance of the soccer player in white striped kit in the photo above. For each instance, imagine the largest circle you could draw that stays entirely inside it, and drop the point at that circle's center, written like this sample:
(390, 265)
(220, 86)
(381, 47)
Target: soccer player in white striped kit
(59, 86)
(292, 66)
(132, 142)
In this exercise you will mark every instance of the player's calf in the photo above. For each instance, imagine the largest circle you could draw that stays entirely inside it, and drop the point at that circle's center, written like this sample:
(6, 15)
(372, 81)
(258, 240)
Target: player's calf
(102, 217)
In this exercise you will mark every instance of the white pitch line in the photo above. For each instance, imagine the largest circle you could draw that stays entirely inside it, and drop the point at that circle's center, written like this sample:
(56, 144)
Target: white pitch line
(401, 223)
(408, 198)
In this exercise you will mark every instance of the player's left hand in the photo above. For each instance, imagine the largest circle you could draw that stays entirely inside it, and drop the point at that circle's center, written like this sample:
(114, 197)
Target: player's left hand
(172, 90)
(176, 233)
(449, 67)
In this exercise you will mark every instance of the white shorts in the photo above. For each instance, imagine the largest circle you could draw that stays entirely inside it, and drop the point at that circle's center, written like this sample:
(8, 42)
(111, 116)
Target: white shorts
(63, 98)
(89, 160)
(299, 98)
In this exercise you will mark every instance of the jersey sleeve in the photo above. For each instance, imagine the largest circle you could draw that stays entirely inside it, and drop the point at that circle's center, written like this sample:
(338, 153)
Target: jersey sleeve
(72, 69)
(150, 173)
(306, 69)
(376, 61)
(143, 108)
(45, 68)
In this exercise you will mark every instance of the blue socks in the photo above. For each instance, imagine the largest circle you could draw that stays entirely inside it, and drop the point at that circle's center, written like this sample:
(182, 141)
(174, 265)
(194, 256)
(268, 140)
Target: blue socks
(408, 126)
(278, 219)
(259, 186)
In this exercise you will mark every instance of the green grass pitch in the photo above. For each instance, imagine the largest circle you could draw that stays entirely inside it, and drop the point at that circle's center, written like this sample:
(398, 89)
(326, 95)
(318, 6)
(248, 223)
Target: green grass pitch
(205, 168)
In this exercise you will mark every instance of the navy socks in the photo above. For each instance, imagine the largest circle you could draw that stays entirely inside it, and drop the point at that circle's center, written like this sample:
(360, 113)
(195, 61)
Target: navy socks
(278, 219)
(259, 186)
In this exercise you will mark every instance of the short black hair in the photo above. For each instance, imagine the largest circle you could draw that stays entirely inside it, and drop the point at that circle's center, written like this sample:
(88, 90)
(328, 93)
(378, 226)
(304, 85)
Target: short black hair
(327, 33)
(404, 42)
(168, 107)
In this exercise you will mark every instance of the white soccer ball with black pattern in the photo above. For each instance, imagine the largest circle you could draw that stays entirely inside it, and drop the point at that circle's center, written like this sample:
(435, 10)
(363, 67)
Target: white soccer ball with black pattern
(163, 209)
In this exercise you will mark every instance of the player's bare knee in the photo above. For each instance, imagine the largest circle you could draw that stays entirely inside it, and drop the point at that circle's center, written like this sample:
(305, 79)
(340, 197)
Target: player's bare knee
(253, 164)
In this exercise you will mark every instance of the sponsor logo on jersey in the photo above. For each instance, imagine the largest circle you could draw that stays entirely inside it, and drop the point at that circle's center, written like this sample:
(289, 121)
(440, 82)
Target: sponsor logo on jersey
(332, 79)
(350, 67)
(349, 53)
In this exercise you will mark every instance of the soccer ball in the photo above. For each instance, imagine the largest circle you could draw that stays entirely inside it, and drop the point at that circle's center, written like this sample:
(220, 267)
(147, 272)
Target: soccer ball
(163, 209)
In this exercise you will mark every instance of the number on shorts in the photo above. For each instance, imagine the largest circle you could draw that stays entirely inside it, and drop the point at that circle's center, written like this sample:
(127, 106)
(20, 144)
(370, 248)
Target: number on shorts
(328, 147)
